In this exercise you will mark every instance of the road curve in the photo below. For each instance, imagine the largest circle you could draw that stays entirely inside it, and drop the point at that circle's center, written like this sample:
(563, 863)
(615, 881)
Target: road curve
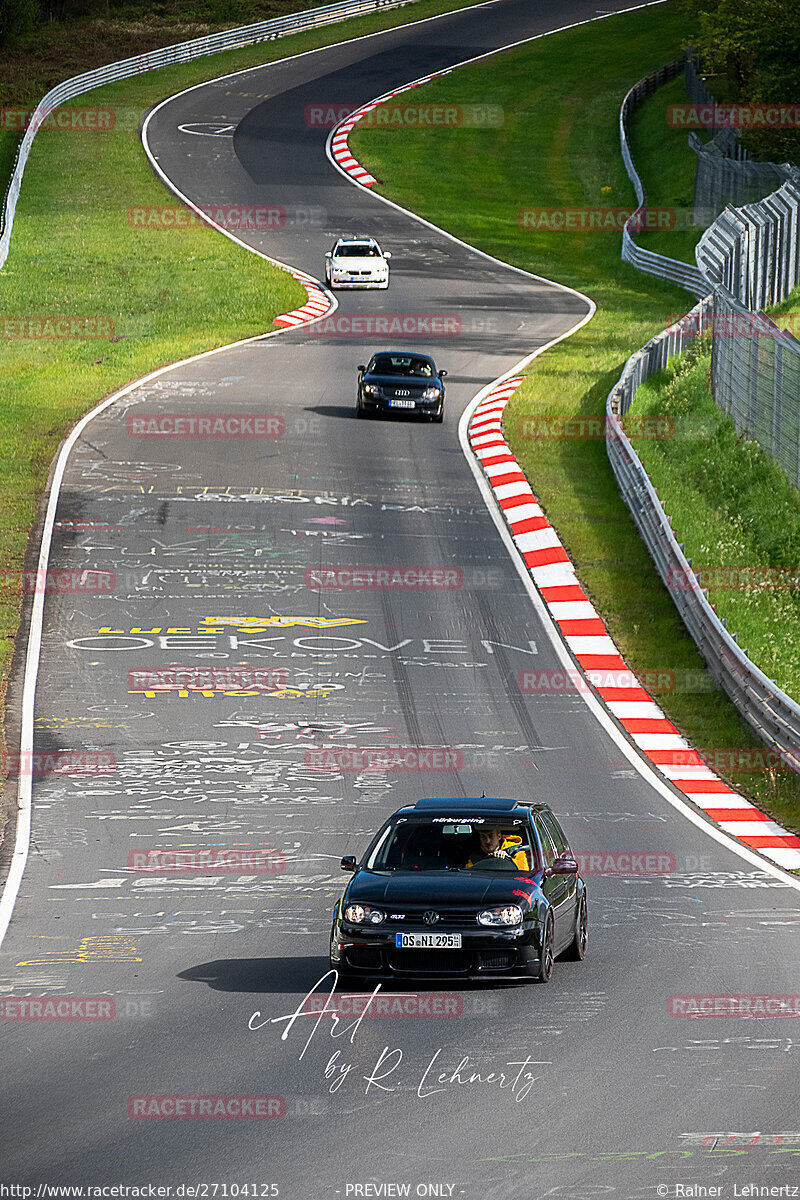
(210, 541)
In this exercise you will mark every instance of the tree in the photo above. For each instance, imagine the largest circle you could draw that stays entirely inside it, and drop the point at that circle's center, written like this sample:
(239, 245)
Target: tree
(18, 19)
(756, 44)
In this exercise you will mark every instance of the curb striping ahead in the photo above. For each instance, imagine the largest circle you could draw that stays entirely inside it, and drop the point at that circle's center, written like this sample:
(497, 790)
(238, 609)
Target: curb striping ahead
(316, 306)
(587, 638)
(341, 151)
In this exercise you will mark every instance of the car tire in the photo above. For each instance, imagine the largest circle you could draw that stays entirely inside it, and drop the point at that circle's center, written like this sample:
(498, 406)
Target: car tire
(359, 410)
(576, 951)
(547, 956)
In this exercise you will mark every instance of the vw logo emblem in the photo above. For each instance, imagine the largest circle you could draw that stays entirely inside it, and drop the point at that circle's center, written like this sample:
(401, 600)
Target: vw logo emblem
(431, 917)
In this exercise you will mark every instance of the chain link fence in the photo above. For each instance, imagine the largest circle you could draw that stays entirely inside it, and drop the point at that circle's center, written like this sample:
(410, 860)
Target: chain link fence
(751, 258)
(726, 171)
(769, 711)
(748, 258)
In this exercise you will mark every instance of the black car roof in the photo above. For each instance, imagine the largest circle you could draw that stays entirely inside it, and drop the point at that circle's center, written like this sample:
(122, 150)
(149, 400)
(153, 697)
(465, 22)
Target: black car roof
(487, 804)
(406, 354)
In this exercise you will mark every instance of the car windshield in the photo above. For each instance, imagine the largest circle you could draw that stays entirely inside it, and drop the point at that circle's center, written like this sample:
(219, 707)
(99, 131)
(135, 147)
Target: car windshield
(469, 844)
(360, 250)
(401, 364)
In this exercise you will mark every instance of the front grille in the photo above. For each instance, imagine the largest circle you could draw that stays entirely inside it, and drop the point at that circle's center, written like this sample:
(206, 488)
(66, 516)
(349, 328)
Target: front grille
(426, 962)
(460, 916)
(497, 960)
(368, 958)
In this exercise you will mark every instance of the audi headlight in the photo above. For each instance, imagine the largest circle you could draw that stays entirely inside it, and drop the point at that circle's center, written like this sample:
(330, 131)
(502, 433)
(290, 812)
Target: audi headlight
(371, 389)
(508, 914)
(431, 393)
(362, 914)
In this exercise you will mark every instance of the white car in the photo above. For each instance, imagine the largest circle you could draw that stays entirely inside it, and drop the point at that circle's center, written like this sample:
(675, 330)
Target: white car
(357, 261)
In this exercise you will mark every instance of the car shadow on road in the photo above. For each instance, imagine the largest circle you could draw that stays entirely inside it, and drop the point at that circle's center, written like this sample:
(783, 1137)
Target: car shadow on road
(302, 975)
(333, 410)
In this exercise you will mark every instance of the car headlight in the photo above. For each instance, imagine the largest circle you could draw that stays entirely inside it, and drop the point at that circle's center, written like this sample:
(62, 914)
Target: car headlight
(507, 914)
(362, 914)
(371, 389)
(431, 393)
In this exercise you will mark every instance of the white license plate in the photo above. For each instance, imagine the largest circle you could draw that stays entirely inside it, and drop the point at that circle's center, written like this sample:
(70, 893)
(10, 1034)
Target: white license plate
(402, 404)
(428, 941)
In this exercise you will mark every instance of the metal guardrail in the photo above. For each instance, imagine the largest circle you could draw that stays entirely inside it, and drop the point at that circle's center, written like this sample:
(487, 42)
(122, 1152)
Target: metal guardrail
(770, 712)
(751, 250)
(228, 39)
(683, 274)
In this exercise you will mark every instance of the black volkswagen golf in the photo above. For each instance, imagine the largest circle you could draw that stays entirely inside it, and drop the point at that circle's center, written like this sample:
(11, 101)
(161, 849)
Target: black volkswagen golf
(462, 888)
(399, 381)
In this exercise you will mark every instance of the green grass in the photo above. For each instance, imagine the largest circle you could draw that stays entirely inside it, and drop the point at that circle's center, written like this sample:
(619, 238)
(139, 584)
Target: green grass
(559, 147)
(787, 313)
(169, 295)
(732, 506)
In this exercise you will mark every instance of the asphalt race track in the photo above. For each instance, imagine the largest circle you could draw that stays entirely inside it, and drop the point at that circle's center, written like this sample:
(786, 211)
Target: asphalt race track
(213, 544)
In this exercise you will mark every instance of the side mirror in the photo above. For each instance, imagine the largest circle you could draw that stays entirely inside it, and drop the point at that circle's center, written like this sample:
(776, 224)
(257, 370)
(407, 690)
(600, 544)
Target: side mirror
(442, 374)
(328, 253)
(564, 866)
(349, 862)
(361, 367)
(388, 254)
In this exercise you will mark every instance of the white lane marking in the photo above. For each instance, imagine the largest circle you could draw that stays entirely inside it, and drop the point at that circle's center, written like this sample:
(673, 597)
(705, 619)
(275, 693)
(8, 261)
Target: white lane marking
(350, 121)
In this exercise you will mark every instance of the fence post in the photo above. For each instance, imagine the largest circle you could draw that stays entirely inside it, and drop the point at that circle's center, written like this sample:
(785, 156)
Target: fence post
(777, 390)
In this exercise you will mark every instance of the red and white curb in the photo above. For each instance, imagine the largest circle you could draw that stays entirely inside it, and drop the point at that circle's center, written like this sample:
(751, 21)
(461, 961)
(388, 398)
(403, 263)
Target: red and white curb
(586, 636)
(339, 147)
(316, 305)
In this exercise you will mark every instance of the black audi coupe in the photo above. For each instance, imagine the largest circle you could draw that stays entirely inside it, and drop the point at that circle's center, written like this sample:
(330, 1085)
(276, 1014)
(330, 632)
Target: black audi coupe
(461, 888)
(396, 381)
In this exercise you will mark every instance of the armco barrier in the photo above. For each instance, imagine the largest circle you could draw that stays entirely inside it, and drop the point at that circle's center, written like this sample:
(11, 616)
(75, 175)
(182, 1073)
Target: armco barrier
(228, 39)
(645, 260)
(772, 714)
(755, 254)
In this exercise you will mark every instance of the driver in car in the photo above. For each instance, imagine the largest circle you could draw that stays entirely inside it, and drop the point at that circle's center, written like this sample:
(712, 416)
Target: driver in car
(496, 844)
